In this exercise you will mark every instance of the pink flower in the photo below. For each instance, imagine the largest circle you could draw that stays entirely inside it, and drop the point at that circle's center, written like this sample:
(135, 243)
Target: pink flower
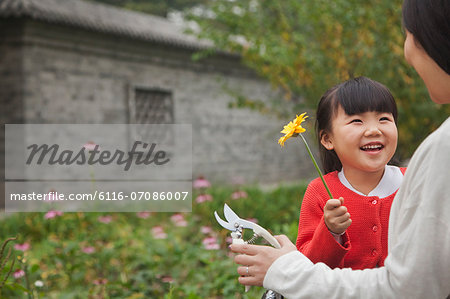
(90, 146)
(22, 247)
(105, 219)
(254, 220)
(203, 197)
(212, 246)
(206, 229)
(168, 279)
(201, 182)
(19, 273)
(209, 240)
(158, 232)
(239, 194)
(143, 215)
(51, 196)
(88, 249)
(229, 240)
(52, 214)
(179, 220)
(100, 281)
(210, 243)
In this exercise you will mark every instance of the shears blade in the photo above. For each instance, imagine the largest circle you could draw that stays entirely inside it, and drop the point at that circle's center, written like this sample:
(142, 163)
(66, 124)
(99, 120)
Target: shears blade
(232, 219)
(229, 226)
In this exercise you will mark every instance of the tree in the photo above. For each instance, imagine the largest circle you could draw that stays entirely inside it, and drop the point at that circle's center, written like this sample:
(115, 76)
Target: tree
(306, 46)
(155, 7)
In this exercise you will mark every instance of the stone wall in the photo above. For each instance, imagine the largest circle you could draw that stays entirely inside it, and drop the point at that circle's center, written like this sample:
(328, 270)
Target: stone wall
(60, 74)
(11, 78)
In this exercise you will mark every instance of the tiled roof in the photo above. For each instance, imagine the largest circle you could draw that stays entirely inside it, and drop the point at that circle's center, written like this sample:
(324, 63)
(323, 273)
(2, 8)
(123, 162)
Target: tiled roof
(102, 18)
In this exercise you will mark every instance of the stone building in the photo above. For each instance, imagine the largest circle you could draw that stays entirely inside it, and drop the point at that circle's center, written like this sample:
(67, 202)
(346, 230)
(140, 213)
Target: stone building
(77, 62)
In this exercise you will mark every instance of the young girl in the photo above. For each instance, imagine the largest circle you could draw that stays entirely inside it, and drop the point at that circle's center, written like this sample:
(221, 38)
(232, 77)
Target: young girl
(357, 134)
(418, 264)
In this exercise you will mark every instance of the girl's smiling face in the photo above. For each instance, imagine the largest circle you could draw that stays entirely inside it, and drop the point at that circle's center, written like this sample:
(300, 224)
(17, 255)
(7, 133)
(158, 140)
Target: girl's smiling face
(363, 142)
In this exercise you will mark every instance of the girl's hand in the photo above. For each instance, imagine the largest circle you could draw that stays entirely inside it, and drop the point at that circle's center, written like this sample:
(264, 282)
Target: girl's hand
(336, 217)
(258, 259)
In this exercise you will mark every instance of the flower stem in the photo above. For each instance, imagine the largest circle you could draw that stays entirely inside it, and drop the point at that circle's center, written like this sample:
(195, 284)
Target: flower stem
(315, 164)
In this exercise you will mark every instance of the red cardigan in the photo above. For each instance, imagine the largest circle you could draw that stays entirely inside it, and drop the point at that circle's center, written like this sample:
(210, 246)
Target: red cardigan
(365, 240)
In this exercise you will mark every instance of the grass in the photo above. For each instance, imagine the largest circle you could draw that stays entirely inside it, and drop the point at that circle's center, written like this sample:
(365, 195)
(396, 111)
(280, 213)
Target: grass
(147, 255)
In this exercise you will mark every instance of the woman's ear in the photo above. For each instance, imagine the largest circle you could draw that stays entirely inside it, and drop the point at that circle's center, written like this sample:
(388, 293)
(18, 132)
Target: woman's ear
(326, 141)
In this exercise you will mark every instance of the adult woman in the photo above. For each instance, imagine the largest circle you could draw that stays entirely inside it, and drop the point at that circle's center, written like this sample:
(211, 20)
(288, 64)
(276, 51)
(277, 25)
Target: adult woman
(418, 263)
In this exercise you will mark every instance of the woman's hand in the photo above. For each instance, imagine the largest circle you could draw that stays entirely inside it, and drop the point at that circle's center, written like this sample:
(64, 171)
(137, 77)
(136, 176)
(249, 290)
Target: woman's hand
(258, 259)
(335, 215)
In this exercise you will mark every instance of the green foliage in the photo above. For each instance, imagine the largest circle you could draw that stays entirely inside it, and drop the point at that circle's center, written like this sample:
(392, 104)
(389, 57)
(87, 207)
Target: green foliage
(75, 255)
(305, 47)
(5, 257)
(155, 7)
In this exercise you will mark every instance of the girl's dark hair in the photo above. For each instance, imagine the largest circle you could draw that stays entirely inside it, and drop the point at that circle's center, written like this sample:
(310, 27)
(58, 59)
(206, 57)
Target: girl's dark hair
(355, 96)
(429, 23)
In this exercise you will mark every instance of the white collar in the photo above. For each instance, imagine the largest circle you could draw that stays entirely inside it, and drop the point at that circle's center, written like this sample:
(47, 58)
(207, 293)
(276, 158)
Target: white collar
(389, 183)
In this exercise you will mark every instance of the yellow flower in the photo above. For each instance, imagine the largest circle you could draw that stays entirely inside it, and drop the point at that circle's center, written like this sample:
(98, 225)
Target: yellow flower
(292, 128)
(282, 140)
(300, 118)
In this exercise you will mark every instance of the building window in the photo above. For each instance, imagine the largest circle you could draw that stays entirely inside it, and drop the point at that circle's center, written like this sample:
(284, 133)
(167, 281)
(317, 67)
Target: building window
(151, 106)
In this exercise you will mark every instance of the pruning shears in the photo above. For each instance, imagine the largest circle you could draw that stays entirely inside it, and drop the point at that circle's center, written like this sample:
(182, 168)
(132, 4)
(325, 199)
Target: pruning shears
(236, 225)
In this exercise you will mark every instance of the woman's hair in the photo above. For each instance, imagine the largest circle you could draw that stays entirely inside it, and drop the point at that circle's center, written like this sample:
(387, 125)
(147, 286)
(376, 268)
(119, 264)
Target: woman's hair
(429, 23)
(355, 96)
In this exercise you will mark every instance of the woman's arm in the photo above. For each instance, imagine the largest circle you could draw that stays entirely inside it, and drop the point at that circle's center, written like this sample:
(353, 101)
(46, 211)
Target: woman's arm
(418, 270)
(418, 263)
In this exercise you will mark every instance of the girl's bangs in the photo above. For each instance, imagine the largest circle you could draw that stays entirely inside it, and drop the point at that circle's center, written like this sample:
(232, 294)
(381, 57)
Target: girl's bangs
(364, 95)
